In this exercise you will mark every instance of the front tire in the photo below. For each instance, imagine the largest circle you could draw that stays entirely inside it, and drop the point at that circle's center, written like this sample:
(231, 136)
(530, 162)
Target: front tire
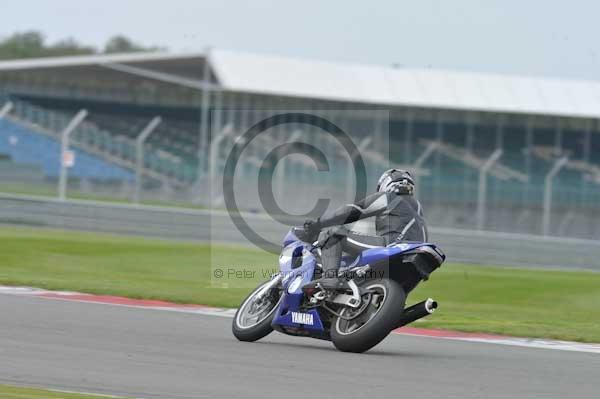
(366, 330)
(253, 318)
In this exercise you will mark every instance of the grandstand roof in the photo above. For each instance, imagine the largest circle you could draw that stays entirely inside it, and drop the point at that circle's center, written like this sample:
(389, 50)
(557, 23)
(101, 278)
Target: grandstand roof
(86, 60)
(405, 86)
(369, 84)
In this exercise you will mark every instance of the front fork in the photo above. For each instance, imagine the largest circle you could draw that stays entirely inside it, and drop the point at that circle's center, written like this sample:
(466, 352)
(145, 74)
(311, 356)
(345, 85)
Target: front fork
(269, 286)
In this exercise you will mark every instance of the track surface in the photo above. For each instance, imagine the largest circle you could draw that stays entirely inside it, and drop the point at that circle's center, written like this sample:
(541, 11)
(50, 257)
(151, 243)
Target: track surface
(156, 354)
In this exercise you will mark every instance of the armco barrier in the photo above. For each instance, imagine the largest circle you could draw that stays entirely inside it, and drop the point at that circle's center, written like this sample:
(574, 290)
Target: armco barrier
(203, 225)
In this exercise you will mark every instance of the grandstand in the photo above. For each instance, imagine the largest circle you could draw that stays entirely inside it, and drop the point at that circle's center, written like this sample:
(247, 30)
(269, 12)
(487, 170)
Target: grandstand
(444, 124)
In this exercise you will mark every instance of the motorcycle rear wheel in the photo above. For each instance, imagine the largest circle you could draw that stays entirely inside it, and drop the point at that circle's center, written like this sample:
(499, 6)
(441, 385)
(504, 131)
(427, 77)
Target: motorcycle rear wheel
(372, 325)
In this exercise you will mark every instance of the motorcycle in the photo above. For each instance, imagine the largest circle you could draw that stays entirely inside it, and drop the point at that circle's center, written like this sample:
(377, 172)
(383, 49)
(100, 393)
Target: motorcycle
(358, 313)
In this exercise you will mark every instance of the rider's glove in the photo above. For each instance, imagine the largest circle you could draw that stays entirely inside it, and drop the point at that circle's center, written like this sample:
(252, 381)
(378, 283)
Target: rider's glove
(312, 228)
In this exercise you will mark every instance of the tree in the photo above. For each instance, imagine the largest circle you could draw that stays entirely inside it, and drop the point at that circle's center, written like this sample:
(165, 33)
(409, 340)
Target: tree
(69, 47)
(32, 44)
(122, 44)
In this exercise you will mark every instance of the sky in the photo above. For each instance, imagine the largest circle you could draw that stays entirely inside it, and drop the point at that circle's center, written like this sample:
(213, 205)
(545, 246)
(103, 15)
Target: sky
(518, 37)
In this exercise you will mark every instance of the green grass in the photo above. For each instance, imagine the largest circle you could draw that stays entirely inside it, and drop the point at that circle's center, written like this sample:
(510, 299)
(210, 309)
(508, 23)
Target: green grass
(535, 303)
(8, 392)
(119, 265)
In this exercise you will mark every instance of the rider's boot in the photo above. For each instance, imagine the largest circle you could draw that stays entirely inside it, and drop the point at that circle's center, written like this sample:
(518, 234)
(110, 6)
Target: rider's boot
(331, 256)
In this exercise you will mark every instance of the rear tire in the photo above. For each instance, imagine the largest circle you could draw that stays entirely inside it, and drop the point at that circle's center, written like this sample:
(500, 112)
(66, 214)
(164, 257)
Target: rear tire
(377, 321)
(253, 331)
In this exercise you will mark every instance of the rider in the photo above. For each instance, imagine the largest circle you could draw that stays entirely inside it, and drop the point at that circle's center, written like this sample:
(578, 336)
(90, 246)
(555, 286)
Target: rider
(399, 217)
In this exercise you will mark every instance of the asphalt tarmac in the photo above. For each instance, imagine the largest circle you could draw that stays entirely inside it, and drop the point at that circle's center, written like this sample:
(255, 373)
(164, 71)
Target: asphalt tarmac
(145, 353)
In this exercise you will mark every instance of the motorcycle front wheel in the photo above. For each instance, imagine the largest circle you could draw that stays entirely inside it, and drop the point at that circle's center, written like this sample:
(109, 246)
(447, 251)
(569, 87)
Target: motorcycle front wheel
(384, 306)
(253, 318)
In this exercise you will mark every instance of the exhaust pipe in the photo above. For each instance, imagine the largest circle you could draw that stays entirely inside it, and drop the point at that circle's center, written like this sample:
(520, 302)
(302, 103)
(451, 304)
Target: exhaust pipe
(416, 312)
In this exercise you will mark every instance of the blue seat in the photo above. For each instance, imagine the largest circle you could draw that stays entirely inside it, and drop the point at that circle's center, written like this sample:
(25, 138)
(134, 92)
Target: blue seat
(25, 146)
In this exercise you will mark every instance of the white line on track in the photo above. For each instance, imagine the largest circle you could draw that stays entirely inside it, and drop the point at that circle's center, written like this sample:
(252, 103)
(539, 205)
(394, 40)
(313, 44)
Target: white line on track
(225, 312)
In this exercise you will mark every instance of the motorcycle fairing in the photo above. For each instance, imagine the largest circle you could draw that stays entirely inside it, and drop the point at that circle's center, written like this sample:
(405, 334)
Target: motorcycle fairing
(297, 265)
(375, 255)
(294, 278)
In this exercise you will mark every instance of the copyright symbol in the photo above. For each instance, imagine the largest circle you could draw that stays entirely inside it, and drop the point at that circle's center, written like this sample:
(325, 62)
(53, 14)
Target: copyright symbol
(265, 176)
(218, 273)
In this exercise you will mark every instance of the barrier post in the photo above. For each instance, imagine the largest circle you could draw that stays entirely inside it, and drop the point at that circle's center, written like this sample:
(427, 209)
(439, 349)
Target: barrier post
(64, 147)
(139, 155)
(548, 182)
(482, 194)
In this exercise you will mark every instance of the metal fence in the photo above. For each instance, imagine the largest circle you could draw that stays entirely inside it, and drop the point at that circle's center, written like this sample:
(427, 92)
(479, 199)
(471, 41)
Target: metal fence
(461, 246)
(506, 174)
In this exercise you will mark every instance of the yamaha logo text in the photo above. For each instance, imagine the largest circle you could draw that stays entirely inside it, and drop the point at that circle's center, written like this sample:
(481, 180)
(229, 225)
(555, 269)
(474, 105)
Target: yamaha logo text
(302, 318)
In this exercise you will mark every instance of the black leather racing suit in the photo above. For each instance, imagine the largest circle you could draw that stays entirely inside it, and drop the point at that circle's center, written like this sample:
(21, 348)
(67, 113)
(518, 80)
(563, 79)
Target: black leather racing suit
(398, 217)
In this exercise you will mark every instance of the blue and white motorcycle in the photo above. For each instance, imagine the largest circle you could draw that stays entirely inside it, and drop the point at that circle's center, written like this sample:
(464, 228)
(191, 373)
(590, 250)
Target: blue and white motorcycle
(359, 313)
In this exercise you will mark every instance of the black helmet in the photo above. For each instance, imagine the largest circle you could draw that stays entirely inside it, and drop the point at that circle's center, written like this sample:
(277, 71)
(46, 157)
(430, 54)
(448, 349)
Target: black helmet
(399, 181)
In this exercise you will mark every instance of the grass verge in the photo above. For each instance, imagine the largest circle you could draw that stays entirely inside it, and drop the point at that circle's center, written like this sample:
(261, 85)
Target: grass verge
(522, 302)
(10, 392)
